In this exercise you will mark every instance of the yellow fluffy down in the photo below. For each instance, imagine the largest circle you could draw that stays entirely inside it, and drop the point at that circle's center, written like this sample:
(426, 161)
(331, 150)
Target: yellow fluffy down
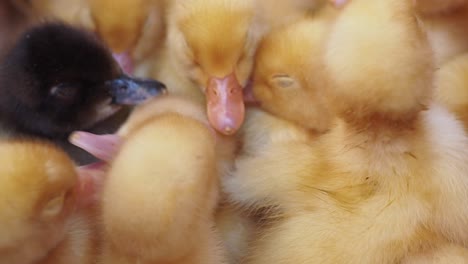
(379, 45)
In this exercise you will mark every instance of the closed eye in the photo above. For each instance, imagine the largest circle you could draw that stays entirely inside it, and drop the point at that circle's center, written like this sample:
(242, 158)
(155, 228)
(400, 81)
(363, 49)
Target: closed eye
(283, 80)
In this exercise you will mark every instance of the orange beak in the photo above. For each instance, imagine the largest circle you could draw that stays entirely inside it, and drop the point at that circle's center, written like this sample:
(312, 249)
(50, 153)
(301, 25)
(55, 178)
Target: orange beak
(225, 104)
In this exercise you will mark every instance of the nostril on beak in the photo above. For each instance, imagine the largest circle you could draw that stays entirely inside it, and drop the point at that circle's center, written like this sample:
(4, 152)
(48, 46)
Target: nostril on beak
(134, 91)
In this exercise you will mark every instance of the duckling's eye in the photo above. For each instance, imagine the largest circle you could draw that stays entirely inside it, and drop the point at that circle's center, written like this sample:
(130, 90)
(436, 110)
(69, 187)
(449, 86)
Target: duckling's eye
(54, 206)
(283, 81)
(64, 91)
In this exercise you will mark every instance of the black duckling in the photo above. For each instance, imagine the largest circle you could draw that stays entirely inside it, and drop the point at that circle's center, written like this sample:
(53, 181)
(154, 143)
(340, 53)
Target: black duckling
(57, 79)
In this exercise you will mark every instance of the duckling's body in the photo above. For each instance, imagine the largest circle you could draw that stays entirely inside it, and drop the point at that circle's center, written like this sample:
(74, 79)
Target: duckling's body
(338, 206)
(236, 228)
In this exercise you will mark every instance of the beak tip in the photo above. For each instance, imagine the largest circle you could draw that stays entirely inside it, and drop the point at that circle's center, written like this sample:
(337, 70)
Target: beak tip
(134, 91)
(74, 136)
(228, 130)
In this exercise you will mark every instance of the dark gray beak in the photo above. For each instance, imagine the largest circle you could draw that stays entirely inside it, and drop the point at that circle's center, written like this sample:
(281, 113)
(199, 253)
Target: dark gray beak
(133, 91)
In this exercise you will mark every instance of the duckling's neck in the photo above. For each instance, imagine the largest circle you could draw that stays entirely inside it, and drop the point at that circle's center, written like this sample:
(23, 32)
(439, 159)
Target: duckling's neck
(378, 125)
(387, 152)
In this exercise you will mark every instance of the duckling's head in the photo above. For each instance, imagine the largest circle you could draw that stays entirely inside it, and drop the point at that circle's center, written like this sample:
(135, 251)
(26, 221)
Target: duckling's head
(132, 30)
(213, 44)
(57, 79)
(38, 194)
(288, 79)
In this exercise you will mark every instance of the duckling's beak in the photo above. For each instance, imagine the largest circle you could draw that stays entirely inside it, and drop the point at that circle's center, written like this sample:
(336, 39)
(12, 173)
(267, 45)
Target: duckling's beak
(125, 61)
(103, 147)
(133, 91)
(225, 104)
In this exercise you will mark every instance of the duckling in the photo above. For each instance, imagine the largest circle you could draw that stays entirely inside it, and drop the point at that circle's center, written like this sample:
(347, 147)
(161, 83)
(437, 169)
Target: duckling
(175, 224)
(282, 74)
(57, 79)
(388, 182)
(44, 215)
(234, 226)
(210, 47)
(197, 63)
(134, 30)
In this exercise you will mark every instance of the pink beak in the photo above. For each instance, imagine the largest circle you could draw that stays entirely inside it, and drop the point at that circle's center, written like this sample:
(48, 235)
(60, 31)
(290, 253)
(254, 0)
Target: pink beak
(125, 61)
(225, 104)
(103, 147)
